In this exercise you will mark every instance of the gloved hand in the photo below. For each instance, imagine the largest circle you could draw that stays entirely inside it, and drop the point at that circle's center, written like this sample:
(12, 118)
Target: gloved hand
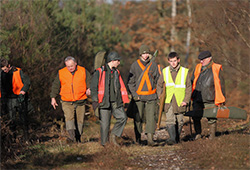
(95, 105)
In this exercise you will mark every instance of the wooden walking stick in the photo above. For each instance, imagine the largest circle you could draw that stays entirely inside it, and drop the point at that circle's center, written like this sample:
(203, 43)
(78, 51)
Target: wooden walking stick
(162, 102)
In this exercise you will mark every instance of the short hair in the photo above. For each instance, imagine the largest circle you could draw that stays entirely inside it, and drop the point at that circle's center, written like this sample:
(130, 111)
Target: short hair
(4, 63)
(69, 58)
(173, 55)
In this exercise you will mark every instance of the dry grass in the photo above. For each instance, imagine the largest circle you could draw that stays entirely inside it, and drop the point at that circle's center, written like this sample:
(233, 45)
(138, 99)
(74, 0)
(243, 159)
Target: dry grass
(225, 152)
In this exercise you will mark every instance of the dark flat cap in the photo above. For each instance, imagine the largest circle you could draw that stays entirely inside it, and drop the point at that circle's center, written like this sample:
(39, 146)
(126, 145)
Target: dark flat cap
(204, 54)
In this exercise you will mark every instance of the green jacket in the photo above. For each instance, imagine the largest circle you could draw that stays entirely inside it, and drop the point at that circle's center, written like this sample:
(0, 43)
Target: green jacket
(112, 88)
(135, 78)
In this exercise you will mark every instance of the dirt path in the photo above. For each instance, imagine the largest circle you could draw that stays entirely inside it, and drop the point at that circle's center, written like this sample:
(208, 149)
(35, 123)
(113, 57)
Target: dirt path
(49, 150)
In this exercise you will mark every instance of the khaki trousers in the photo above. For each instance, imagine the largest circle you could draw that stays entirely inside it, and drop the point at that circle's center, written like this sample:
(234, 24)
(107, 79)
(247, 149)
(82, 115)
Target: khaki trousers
(172, 117)
(73, 113)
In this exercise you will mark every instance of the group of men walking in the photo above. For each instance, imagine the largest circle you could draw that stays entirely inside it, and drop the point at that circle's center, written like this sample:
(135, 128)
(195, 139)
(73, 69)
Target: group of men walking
(146, 82)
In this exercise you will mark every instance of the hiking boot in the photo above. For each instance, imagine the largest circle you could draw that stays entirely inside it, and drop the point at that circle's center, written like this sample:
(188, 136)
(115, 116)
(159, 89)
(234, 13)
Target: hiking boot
(71, 138)
(113, 140)
(150, 140)
(212, 130)
(137, 138)
(172, 134)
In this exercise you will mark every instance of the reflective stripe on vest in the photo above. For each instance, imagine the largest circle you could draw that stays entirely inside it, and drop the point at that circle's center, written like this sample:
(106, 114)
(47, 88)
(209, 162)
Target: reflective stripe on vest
(219, 97)
(145, 79)
(176, 88)
(101, 87)
(17, 83)
(73, 87)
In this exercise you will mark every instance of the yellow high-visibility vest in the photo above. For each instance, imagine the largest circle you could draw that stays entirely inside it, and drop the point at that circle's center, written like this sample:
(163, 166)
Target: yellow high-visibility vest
(176, 88)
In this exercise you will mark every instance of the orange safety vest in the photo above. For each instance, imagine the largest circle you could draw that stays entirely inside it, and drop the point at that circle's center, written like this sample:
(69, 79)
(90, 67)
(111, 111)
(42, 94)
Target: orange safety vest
(219, 97)
(145, 78)
(17, 83)
(101, 87)
(73, 87)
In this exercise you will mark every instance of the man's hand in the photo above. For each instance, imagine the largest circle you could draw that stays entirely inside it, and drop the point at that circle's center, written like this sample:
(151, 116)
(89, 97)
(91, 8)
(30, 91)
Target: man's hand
(53, 103)
(22, 92)
(88, 92)
(183, 104)
(136, 99)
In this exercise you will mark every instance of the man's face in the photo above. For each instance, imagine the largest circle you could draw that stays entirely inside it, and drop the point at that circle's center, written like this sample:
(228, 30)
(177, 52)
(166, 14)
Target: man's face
(116, 63)
(145, 56)
(71, 65)
(174, 62)
(6, 69)
(205, 61)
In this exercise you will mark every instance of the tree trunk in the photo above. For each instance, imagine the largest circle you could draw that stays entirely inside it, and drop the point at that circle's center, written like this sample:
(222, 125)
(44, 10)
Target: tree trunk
(173, 30)
(188, 32)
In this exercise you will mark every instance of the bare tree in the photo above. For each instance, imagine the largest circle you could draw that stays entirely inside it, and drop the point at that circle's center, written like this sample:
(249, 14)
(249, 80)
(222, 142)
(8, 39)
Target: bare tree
(188, 31)
(173, 29)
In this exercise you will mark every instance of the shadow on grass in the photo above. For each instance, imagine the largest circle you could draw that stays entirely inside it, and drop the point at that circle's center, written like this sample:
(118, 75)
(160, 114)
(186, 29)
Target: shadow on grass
(48, 160)
(47, 138)
(90, 140)
(243, 129)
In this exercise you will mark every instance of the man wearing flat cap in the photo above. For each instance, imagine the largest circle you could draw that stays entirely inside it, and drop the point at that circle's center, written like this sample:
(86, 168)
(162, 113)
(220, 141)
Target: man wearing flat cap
(207, 90)
(108, 94)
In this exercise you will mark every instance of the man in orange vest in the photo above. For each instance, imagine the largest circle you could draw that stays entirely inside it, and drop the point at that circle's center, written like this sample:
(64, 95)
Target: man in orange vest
(142, 82)
(14, 97)
(207, 90)
(108, 94)
(72, 84)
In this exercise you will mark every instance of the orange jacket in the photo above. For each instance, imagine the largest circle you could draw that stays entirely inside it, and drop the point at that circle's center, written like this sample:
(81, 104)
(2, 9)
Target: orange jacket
(101, 87)
(73, 87)
(219, 97)
(17, 83)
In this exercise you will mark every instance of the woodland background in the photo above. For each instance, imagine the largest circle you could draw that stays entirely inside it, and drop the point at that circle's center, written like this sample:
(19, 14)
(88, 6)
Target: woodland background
(37, 35)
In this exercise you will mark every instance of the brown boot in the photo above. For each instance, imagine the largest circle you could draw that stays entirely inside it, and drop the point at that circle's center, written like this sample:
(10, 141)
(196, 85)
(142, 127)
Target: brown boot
(212, 130)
